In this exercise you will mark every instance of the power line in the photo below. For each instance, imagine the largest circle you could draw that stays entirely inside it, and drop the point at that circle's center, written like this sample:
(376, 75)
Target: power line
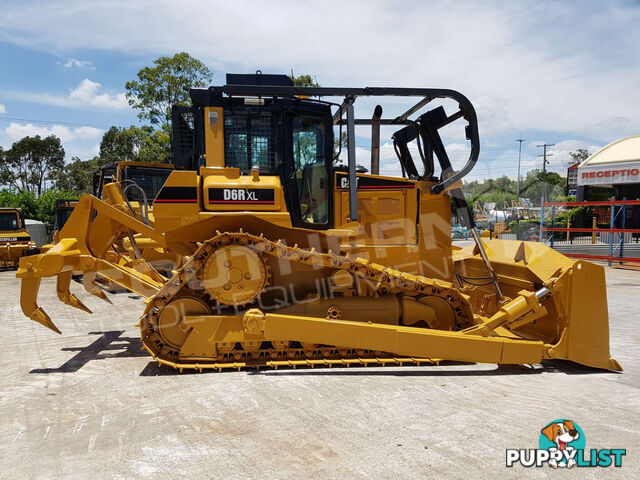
(2, 117)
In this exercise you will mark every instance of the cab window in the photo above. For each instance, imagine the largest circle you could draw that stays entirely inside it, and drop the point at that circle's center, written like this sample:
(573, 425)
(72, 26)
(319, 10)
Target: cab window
(8, 221)
(150, 179)
(311, 168)
(247, 140)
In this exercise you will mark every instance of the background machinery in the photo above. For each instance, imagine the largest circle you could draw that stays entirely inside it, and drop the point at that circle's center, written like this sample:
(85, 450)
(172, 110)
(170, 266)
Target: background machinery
(290, 259)
(15, 239)
(62, 209)
(141, 182)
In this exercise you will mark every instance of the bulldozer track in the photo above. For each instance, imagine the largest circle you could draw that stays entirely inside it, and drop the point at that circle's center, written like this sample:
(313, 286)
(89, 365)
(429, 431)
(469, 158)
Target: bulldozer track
(383, 279)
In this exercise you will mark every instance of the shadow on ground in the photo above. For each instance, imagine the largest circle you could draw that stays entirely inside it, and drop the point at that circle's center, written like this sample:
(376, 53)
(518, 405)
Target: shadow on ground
(108, 345)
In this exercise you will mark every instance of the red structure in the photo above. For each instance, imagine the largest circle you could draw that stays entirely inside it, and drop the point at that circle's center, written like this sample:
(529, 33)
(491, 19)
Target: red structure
(615, 212)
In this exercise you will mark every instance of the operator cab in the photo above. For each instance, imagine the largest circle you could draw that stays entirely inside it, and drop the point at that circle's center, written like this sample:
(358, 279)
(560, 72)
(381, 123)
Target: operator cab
(260, 144)
(11, 219)
(287, 138)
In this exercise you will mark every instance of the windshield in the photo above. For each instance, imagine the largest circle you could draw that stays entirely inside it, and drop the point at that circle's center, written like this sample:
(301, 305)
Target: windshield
(61, 217)
(8, 221)
(149, 179)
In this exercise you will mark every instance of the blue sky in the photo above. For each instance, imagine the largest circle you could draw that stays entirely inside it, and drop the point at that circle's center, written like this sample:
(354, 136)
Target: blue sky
(558, 72)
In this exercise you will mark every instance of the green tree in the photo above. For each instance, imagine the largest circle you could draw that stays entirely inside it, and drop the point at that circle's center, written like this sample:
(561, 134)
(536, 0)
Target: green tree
(505, 184)
(164, 84)
(533, 182)
(304, 81)
(579, 156)
(155, 148)
(41, 208)
(498, 191)
(45, 205)
(120, 144)
(141, 144)
(27, 201)
(77, 175)
(30, 162)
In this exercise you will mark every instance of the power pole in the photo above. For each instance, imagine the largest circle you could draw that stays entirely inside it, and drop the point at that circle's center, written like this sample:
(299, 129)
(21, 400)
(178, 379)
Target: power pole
(519, 140)
(544, 169)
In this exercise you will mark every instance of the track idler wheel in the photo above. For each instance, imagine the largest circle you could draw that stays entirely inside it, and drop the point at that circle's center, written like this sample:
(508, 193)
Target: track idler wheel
(171, 322)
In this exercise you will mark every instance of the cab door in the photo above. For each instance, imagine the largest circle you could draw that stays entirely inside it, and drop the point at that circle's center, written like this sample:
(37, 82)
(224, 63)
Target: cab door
(308, 180)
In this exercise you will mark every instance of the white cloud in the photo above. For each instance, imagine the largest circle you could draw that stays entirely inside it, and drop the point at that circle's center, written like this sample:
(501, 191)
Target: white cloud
(16, 131)
(562, 159)
(82, 142)
(611, 128)
(73, 62)
(3, 109)
(558, 154)
(86, 93)
(86, 96)
(389, 163)
(493, 115)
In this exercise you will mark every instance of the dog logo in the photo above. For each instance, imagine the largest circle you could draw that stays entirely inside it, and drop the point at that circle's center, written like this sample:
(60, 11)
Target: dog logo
(562, 443)
(564, 436)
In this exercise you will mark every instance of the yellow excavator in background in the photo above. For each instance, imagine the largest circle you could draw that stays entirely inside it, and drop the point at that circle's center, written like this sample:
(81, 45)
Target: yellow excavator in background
(291, 258)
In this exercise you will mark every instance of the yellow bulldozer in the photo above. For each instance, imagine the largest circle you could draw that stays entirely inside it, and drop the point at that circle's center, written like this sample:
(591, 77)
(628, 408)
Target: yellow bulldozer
(292, 258)
(15, 239)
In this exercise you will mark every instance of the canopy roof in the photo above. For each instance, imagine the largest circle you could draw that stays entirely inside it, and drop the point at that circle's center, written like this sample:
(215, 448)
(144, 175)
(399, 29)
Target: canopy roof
(621, 151)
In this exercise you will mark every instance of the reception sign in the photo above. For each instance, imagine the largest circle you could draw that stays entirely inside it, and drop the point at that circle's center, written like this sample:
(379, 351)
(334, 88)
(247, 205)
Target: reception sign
(613, 173)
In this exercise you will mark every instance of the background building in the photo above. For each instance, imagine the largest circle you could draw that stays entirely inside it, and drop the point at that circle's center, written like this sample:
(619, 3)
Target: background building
(613, 171)
(572, 179)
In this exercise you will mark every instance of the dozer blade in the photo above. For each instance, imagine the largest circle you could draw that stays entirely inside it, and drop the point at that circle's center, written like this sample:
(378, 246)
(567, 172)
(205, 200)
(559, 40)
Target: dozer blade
(89, 283)
(29, 304)
(576, 327)
(64, 294)
(585, 339)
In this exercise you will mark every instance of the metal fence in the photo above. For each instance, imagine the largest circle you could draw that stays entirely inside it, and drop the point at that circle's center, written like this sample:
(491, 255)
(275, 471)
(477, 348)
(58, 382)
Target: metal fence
(605, 230)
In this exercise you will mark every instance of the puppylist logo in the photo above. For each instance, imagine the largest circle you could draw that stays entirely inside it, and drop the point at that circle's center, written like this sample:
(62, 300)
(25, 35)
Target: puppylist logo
(562, 443)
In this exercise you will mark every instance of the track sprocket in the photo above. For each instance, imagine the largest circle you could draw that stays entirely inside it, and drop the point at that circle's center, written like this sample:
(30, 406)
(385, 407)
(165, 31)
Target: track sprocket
(234, 275)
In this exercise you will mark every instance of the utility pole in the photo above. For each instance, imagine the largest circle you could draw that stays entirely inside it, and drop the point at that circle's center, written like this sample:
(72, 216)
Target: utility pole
(519, 140)
(544, 169)
(543, 198)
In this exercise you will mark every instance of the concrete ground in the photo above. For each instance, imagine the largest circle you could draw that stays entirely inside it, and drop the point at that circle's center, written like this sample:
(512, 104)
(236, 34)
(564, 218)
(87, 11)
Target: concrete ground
(89, 404)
